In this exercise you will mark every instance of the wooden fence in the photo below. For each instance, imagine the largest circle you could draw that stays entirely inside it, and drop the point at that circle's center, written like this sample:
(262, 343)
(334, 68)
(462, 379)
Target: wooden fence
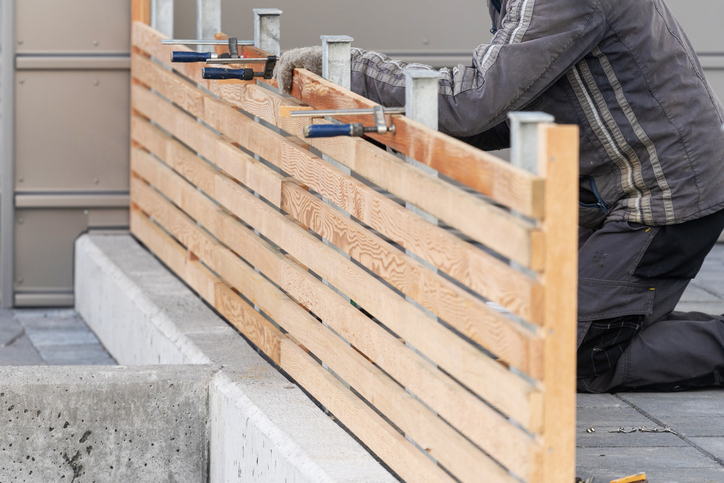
(315, 266)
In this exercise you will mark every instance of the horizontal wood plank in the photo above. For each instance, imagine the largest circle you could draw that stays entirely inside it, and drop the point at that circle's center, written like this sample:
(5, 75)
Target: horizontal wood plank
(453, 403)
(478, 372)
(515, 246)
(379, 436)
(242, 316)
(440, 440)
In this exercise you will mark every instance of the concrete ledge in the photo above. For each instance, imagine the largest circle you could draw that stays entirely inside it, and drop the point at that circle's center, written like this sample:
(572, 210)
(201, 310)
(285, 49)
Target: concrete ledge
(104, 423)
(262, 427)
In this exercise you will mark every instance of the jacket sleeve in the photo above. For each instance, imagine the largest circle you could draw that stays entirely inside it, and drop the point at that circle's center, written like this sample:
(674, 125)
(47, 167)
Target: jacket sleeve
(537, 42)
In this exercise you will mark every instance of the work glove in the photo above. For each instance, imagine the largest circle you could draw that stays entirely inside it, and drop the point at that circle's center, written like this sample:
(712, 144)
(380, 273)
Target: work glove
(309, 58)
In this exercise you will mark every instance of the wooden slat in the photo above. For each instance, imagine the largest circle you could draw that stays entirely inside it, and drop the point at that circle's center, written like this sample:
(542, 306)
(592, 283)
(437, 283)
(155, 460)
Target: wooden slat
(496, 221)
(254, 326)
(453, 403)
(511, 186)
(558, 162)
(141, 11)
(480, 374)
(440, 440)
(511, 289)
(506, 339)
(359, 418)
(519, 244)
(379, 436)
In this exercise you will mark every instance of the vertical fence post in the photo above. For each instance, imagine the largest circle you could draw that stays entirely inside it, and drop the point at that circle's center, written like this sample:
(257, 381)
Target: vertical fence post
(421, 94)
(524, 138)
(162, 16)
(558, 163)
(336, 59)
(208, 21)
(267, 30)
(336, 67)
(421, 105)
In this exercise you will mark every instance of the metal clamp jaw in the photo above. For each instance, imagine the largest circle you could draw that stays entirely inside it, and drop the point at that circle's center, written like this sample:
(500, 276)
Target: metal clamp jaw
(354, 129)
(183, 56)
(217, 73)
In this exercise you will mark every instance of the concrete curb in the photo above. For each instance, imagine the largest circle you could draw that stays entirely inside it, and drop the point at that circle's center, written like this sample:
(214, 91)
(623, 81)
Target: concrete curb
(105, 423)
(262, 427)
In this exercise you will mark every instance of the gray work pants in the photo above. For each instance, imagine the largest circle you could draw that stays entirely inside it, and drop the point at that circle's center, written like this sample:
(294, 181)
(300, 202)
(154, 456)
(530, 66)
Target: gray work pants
(629, 336)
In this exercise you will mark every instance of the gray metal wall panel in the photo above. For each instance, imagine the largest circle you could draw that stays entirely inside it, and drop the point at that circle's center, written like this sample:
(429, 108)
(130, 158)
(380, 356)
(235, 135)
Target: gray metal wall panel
(73, 26)
(72, 130)
(702, 21)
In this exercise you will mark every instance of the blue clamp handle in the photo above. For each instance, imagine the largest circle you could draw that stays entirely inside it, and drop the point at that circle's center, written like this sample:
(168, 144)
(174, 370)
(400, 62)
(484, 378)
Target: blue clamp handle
(219, 73)
(333, 130)
(190, 56)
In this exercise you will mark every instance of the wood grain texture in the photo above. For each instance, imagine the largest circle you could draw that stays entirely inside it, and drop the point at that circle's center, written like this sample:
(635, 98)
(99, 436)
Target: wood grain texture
(558, 162)
(259, 330)
(379, 436)
(511, 186)
(141, 11)
(509, 235)
(440, 440)
(261, 102)
(484, 376)
(506, 339)
(438, 391)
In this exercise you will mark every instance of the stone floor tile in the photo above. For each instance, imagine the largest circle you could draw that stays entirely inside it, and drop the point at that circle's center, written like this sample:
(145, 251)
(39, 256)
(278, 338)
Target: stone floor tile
(604, 420)
(77, 355)
(708, 402)
(714, 446)
(661, 465)
(695, 293)
(9, 331)
(20, 353)
(599, 401)
(49, 338)
(49, 319)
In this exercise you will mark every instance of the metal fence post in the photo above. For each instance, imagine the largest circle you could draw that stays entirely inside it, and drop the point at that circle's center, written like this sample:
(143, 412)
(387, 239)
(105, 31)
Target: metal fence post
(421, 94)
(208, 21)
(267, 30)
(524, 138)
(7, 163)
(162, 16)
(336, 59)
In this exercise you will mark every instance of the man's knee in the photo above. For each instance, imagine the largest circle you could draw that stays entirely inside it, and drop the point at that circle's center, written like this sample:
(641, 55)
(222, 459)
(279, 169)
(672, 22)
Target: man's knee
(604, 343)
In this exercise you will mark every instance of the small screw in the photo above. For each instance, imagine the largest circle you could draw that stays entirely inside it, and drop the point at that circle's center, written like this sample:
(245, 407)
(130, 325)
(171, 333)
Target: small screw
(21, 221)
(552, 158)
(550, 450)
(20, 42)
(95, 43)
(551, 332)
(591, 430)
(96, 180)
(20, 280)
(21, 179)
(85, 212)
(22, 81)
(96, 82)
(425, 42)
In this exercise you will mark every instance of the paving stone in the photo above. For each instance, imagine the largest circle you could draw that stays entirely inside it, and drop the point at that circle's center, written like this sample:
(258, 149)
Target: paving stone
(661, 465)
(77, 355)
(708, 402)
(20, 353)
(696, 293)
(714, 446)
(599, 401)
(50, 338)
(714, 308)
(49, 319)
(9, 330)
(607, 419)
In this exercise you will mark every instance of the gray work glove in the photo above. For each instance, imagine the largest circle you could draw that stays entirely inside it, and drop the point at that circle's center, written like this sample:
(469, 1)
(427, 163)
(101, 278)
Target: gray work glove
(309, 58)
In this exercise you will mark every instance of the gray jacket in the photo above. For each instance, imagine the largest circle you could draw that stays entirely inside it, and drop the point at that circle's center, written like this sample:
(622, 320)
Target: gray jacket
(652, 147)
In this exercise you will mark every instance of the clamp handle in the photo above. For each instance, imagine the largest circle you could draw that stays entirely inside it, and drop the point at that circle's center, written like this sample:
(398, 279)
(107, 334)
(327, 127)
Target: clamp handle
(333, 130)
(218, 73)
(190, 56)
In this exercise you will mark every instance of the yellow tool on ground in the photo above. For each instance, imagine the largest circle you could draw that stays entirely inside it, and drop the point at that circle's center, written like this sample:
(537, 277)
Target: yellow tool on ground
(637, 478)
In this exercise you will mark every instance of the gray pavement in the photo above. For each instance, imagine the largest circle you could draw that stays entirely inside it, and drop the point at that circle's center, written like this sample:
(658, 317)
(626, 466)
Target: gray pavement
(695, 454)
(32, 337)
